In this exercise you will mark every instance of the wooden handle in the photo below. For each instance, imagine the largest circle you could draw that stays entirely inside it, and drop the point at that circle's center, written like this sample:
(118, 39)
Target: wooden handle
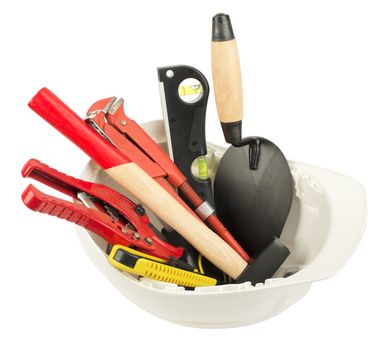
(131, 177)
(227, 81)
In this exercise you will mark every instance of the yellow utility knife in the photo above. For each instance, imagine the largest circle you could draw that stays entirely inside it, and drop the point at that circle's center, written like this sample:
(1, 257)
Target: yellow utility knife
(138, 263)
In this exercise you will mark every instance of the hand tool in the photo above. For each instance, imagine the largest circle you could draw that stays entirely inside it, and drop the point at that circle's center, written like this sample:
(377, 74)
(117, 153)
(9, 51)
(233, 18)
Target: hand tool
(184, 122)
(253, 186)
(132, 261)
(121, 168)
(105, 211)
(108, 118)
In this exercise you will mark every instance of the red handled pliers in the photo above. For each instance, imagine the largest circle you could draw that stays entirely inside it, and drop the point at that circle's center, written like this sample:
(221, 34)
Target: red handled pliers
(104, 211)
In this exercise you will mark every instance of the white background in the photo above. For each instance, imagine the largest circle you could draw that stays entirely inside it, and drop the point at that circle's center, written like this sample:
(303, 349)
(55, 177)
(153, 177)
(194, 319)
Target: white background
(315, 81)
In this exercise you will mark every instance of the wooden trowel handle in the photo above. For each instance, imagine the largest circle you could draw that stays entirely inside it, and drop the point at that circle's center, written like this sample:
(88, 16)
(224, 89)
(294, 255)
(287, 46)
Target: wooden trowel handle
(227, 78)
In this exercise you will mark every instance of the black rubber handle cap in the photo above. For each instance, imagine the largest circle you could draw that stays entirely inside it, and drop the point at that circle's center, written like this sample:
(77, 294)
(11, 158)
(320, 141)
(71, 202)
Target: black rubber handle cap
(222, 28)
(232, 132)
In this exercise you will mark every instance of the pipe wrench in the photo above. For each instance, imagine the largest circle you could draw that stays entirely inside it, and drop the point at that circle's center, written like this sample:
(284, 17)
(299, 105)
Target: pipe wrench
(108, 119)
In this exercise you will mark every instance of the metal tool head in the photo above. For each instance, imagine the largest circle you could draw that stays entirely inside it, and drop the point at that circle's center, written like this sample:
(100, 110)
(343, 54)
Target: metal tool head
(94, 115)
(254, 204)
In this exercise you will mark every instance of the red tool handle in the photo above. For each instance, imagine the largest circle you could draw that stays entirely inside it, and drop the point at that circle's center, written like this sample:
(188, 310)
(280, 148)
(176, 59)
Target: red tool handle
(90, 219)
(66, 184)
(67, 122)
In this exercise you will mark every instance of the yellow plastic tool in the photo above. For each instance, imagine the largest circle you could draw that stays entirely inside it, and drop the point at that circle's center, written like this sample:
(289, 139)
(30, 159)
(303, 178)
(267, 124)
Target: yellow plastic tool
(133, 261)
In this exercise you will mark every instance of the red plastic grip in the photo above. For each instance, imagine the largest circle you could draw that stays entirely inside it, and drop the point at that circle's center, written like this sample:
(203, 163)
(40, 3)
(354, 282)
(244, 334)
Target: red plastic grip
(67, 122)
(76, 213)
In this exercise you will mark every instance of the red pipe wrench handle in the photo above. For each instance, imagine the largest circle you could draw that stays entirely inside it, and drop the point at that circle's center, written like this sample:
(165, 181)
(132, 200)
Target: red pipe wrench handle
(67, 122)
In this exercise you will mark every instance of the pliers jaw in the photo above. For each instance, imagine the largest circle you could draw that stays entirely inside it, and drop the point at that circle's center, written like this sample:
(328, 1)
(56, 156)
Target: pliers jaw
(97, 117)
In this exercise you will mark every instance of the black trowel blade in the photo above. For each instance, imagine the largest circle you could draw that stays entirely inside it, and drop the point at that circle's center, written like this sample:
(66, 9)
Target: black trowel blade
(253, 204)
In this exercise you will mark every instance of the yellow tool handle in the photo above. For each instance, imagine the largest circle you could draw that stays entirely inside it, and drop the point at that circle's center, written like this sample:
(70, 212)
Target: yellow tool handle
(159, 271)
(170, 274)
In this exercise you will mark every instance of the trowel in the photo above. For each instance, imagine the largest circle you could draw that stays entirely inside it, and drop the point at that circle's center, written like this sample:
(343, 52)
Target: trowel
(253, 187)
